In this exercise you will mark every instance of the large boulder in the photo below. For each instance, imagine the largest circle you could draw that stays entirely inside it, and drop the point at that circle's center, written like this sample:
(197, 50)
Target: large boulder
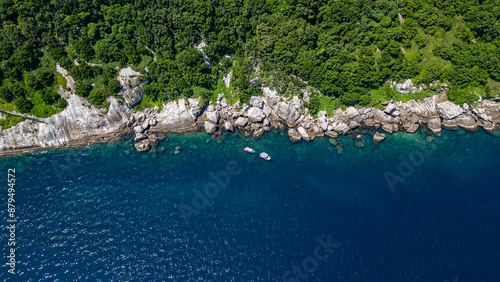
(391, 108)
(140, 137)
(210, 127)
(144, 145)
(303, 133)
(228, 126)
(341, 128)
(378, 137)
(332, 134)
(370, 123)
(290, 111)
(241, 121)
(353, 124)
(271, 96)
(468, 123)
(294, 135)
(351, 112)
(213, 117)
(389, 128)
(413, 128)
(256, 101)
(434, 125)
(176, 116)
(138, 129)
(255, 114)
(323, 120)
(448, 110)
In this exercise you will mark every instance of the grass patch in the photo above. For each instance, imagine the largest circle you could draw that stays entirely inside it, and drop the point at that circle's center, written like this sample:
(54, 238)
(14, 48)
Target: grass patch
(494, 86)
(145, 61)
(468, 95)
(328, 104)
(9, 120)
(147, 102)
(60, 80)
(43, 111)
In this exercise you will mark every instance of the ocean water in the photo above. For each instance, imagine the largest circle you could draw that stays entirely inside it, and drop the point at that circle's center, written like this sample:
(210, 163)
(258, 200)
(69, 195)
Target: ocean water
(403, 210)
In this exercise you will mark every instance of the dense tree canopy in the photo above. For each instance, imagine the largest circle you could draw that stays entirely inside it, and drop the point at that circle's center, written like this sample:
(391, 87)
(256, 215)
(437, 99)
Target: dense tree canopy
(345, 48)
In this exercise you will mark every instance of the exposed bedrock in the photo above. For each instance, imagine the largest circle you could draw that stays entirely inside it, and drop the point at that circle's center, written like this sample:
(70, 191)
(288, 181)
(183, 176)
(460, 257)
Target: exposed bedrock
(81, 123)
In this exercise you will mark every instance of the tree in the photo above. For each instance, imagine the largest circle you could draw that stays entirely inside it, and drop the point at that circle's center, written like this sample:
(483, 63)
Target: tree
(314, 105)
(114, 86)
(61, 103)
(23, 105)
(96, 98)
(83, 88)
(6, 95)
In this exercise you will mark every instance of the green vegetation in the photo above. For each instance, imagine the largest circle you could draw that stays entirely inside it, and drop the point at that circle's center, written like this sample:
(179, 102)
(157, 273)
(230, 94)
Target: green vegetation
(347, 49)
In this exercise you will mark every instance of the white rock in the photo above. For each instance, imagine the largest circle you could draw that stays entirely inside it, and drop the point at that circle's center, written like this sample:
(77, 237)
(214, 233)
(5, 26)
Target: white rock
(213, 117)
(303, 133)
(210, 128)
(351, 112)
(448, 110)
(241, 121)
(256, 101)
(407, 87)
(255, 114)
(271, 96)
(138, 129)
(391, 108)
(228, 126)
(341, 128)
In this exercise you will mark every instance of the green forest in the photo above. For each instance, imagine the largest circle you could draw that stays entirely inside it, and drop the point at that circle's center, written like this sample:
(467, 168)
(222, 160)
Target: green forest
(346, 49)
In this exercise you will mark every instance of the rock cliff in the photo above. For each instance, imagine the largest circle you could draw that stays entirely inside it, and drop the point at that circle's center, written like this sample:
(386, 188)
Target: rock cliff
(81, 123)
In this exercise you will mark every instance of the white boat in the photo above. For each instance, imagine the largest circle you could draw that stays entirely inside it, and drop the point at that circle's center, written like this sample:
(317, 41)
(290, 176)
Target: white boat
(265, 156)
(249, 150)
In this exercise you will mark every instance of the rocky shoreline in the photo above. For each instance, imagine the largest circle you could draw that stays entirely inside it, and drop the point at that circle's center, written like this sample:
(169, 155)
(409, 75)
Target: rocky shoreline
(82, 124)
(272, 111)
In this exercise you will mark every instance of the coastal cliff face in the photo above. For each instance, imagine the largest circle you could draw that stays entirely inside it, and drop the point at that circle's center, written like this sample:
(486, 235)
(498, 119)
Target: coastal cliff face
(81, 123)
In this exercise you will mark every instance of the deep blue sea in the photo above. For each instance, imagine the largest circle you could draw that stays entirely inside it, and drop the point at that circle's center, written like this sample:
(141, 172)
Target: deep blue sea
(403, 210)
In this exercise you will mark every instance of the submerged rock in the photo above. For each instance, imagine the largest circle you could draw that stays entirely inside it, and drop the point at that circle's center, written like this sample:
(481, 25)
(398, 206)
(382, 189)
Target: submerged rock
(359, 144)
(144, 145)
(333, 141)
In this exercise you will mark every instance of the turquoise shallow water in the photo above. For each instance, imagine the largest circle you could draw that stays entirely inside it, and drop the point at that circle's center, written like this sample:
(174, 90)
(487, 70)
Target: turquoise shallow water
(216, 213)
